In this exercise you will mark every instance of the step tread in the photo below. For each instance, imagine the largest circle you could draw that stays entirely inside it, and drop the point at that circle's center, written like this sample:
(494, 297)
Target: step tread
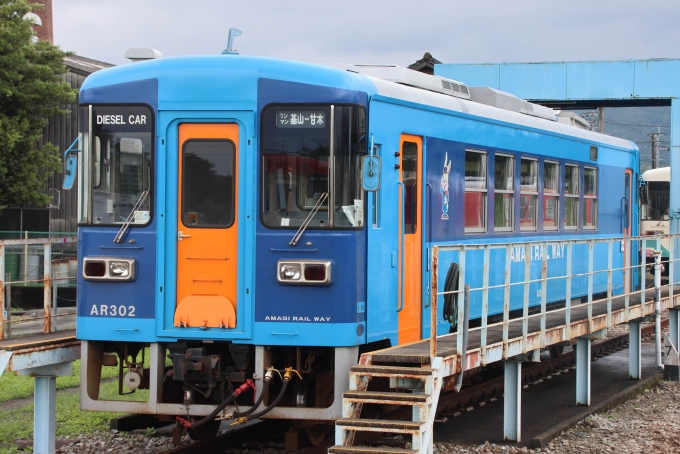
(394, 370)
(380, 423)
(368, 449)
(386, 396)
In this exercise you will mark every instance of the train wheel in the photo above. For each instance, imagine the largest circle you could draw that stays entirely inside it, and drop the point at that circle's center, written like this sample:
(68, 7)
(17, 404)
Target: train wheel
(205, 433)
(556, 351)
(316, 434)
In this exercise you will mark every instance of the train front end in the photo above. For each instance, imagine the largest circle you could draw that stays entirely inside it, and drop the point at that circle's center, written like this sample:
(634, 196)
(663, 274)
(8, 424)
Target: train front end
(222, 242)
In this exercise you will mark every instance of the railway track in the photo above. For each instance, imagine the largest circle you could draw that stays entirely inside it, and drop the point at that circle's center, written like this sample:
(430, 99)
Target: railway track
(452, 404)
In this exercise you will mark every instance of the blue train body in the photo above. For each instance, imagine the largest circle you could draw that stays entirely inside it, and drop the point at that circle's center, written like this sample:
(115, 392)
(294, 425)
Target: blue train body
(359, 306)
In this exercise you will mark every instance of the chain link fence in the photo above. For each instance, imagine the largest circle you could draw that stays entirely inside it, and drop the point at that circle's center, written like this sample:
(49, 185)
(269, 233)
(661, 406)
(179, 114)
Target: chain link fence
(39, 274)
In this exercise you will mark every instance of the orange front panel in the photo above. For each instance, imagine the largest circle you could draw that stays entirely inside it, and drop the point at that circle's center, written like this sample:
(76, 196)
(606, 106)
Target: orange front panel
(207, 226)
(410, 212)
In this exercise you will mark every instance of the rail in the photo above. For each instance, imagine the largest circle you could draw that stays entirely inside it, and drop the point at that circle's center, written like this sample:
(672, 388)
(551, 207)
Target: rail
(21, 260)
(607, 267)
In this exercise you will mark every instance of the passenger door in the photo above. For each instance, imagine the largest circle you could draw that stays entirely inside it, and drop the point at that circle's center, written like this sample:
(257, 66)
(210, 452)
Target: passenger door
(207, 226)
(410, 238)
(627, 220)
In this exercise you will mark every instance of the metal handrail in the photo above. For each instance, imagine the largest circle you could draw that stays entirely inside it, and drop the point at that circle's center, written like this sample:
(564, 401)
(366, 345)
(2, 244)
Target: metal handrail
(529, 278)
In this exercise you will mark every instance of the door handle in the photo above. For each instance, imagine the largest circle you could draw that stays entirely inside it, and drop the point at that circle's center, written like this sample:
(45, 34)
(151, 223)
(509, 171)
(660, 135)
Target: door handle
(181, 235)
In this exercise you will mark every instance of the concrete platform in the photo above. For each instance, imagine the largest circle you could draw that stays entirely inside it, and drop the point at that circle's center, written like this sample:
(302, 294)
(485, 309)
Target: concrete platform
(549, 404)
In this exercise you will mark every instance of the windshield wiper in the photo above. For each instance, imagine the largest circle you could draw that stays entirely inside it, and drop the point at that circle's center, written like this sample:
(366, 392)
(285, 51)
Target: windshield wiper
(126, 224)
(308, 219)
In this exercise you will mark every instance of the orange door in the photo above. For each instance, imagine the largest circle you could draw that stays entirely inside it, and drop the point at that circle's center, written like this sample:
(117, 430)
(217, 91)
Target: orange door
(410, 211)
(207, 226)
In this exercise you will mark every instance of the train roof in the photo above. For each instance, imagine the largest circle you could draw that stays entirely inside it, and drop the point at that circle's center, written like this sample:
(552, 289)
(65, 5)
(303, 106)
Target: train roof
(660, 174)
(179, 77)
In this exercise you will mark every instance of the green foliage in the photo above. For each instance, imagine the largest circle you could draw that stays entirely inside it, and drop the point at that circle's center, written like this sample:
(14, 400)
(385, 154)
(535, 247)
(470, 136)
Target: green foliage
(18, 424)
(31, 88)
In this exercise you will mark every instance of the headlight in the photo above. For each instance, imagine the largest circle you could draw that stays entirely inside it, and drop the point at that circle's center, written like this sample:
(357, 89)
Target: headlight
(304, 272)
(289, 272)
(119, 269)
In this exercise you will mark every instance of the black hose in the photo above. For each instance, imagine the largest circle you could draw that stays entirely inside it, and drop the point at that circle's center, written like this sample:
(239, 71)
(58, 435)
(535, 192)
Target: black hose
(272, 405)
(214, 413)
(450, 310)
(265, 388)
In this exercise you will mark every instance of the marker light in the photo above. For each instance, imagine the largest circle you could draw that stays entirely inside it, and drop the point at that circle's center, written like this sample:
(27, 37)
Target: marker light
(289, 272)
(315, 272)
(94, 269)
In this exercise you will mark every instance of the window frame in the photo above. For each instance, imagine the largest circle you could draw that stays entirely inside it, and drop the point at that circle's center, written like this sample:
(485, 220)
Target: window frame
(485, 191)
(533, 228)
(85, 211)
(576, 196)
(504, 191)
(183, 194)
(261, 155)
(590, 197)
(553, 195)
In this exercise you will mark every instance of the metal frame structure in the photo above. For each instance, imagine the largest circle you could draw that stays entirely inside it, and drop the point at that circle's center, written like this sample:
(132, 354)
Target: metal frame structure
(47, 280)
(43, 358)
(584, 322)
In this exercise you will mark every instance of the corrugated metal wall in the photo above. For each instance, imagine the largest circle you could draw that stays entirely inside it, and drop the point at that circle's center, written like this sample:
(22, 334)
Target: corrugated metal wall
(62, 131)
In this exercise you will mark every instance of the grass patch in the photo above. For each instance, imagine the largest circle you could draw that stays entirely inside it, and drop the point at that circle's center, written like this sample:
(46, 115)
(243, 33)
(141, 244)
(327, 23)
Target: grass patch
(13, 387)
(18, 424)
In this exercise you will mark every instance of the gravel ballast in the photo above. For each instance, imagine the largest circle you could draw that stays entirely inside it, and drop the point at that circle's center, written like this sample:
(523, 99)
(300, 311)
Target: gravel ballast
(648, 423)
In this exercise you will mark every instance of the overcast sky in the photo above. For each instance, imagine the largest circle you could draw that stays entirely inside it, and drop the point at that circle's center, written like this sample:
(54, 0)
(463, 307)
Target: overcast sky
(375, 31)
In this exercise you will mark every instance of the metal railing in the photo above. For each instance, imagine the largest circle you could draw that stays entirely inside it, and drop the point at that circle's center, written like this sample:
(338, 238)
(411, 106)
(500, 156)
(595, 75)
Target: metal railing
(35, 259)
(603, 267)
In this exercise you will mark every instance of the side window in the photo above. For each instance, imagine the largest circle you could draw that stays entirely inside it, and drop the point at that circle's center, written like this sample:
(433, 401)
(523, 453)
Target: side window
(475, 191)
(528, 195)
(409, 175)
(571, 195)
(551, 195)
(589, 198)
(208, 183)
(504, 192)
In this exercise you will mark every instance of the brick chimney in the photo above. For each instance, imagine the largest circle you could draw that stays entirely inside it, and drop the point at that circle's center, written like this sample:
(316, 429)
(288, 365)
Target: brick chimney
(44, 31)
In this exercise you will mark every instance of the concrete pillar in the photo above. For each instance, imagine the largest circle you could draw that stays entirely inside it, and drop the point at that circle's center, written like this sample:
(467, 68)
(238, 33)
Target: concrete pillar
(44, 415)
(512, 402)
(583, 371)
(675, 181)
(635, 350)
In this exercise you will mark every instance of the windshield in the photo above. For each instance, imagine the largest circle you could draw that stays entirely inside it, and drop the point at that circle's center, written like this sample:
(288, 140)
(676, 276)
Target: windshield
(297, 170)
(659, 193)
(117, 168)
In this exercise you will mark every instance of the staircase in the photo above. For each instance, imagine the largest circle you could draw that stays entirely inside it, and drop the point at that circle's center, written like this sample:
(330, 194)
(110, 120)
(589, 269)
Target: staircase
(425, 384)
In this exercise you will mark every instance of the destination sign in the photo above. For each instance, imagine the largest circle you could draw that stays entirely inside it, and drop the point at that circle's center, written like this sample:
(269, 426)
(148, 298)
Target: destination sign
(121, 119)
(300, 119)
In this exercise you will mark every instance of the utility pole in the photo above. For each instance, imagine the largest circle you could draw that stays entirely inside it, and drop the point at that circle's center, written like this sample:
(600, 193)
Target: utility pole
(655, 149)
(600, 120)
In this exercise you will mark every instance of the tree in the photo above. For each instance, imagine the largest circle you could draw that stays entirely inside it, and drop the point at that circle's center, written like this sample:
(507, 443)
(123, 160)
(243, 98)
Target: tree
(31, 89)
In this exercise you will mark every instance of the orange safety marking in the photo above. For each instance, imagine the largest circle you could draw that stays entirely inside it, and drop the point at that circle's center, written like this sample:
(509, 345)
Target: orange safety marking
(206, 311)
